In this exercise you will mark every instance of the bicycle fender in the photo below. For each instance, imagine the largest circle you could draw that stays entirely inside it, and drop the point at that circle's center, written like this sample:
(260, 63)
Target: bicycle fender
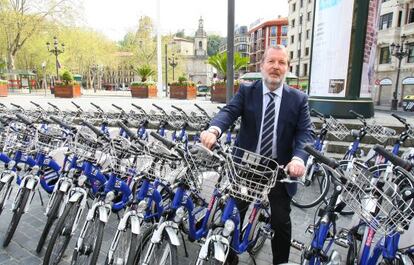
(171, 228)
(220, 253)
(64, 186)
(31, 182)
(75, 197)
(103, 214)
(135, 225)
(6, 177)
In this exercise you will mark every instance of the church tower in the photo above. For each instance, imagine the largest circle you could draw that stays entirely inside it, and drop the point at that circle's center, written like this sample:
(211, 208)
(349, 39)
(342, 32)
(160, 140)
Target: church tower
(200, 40)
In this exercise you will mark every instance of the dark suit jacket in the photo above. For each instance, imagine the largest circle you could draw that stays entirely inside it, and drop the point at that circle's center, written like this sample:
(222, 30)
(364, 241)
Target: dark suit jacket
(293, 125)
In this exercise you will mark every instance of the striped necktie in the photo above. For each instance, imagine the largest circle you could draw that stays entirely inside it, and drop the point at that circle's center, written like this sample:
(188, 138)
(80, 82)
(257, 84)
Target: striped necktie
(268, 127)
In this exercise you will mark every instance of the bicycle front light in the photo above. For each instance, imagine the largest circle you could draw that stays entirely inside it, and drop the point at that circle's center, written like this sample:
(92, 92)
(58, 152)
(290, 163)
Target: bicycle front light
(142, 206)
(228, 227)
(110, 196)
(11, 165)
(81, 180)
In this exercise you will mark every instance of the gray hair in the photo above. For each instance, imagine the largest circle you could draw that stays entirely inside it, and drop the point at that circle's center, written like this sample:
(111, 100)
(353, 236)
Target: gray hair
(277, 47)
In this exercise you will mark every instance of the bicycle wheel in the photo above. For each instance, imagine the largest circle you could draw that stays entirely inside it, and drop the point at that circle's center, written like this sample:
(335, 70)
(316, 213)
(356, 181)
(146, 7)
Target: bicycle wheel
(4, 191)
(143, 241)
(353, 250)
(18, 212)
(162, 253)
(88, 252)
(51, 217)
(314, 188)
(61, 236)
(125, 249)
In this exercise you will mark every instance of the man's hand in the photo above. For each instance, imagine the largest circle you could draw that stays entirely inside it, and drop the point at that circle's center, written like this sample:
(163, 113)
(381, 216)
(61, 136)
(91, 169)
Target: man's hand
(208, 139)
(296, 168)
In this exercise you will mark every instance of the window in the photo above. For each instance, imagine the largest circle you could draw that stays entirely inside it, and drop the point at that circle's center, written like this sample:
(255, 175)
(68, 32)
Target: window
(273, 31)
(301, 3)
(300, 20)
(273, 43)
(305, 69)
(306, 51)
(292, 24)
(309, 16)
(297, 70)
(410, 58)
(284, 30)
(292, 39)
(291, 55)
(299, 52)
(308, 34)
(291, 69)
(399, 18)
(385, 21)
(411, 16)
(284, 42)
(385, 55)
(300, 36)
(293, 7)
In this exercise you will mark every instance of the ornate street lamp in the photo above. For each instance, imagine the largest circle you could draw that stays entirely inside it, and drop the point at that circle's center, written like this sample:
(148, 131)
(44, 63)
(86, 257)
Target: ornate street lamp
(56, 51)
(399, 51)
(173, 63)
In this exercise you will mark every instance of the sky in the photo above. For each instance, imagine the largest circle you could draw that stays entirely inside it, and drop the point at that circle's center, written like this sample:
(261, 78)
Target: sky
(114, 18)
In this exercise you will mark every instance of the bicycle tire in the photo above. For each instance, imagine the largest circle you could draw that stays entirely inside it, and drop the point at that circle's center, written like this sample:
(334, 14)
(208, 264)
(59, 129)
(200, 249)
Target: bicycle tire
(162, 247)
(17, 215)
(4, 190)
(143, 241)
(261, 239)
(319, 186)
(353, 250)
(130, 250)
(63, 229)
(51, 217)
(97, 243)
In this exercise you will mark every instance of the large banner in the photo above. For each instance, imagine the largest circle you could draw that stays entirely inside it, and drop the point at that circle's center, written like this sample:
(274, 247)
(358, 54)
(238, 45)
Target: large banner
(368, 71)
(330, 50)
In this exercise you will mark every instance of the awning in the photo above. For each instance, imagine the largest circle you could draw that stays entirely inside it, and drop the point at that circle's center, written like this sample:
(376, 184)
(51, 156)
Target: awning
(291, 75)
(408, 81)
(386, 82)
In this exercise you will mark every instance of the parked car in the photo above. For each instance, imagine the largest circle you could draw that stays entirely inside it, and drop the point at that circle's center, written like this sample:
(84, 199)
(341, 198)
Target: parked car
(203, 90)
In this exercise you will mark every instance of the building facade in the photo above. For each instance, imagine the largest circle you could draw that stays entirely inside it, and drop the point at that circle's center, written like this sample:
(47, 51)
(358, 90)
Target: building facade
(300, 39)
(396, 21)
(268, 33)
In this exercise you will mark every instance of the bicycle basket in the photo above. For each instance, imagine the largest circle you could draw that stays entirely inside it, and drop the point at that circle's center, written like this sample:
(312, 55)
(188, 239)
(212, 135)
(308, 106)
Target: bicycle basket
(121, 156)
(336, 128)
(250, 175)
(380, 133)
(49, 139)
(379, 203)
(20, 138)
(86, 144)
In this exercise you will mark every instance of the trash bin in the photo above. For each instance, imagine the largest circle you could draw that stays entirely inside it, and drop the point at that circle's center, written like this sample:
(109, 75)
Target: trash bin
(408, 103)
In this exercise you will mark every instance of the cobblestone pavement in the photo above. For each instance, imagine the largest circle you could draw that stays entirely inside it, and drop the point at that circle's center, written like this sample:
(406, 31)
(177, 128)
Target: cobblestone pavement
(22, 248)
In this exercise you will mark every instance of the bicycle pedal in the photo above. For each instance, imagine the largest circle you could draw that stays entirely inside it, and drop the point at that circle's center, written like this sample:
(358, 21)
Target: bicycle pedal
(310, 229)
(342, 242)
(268, 232)
(297, 245)
(343, 233)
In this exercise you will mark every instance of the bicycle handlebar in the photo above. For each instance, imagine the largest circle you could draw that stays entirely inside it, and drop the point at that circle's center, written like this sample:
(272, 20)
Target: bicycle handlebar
(321, 158)
(169, 144)
(97, 107)
(98, 132)
(407, 165)
(36, 105)
(53, 106)
(16, 106)
(63, 124)
(24, 119)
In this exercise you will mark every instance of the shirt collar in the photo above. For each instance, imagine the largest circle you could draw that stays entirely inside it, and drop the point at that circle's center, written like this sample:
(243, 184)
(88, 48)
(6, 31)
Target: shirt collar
(278, 90)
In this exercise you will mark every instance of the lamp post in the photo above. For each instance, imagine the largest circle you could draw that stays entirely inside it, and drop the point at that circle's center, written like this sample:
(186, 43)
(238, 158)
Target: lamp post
(399, 51)
(56, 51)
(173, 63)
(300, 48)
(44, 76)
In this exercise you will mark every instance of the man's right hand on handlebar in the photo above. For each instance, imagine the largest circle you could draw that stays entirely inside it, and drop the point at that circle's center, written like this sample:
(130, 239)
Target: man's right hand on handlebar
(209, 137)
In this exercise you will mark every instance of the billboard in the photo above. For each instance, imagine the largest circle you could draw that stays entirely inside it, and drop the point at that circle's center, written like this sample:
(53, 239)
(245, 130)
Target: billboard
(331, 45)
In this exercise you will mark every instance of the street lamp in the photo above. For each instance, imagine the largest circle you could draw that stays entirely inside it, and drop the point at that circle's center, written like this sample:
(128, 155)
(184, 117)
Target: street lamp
(56, 51)
(399, 51)
(173, 63)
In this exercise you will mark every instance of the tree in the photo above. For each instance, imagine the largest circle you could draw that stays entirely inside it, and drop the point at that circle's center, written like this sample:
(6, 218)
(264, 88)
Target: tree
(146, 44)
(144, 72)
(21, 20)
(219, 61)
(213, 44)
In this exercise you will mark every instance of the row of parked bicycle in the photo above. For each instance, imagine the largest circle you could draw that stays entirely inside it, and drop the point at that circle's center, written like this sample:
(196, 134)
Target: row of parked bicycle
(156, 188)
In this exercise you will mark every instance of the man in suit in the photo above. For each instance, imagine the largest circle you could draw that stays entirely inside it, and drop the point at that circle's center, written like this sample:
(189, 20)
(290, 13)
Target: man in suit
(275, 122)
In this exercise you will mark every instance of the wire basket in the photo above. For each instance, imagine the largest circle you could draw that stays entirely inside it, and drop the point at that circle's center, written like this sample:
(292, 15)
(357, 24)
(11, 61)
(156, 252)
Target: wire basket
(86, 144)
(336, 128)
(49, 139)
(251, 176)
(177, 120)
(121, 160)
(379, 204)
(19, 138)
(380, 133)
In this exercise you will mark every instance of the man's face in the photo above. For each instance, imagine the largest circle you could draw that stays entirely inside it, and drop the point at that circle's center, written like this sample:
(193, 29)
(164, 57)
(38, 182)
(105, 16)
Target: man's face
(274, 68)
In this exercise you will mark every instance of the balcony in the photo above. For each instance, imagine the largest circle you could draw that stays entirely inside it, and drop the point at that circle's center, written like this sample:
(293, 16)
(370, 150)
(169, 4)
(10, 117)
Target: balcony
(408, 29)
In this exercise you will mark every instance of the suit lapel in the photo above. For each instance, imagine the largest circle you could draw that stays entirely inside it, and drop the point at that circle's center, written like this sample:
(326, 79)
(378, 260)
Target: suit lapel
(283, 112)
(258, 98)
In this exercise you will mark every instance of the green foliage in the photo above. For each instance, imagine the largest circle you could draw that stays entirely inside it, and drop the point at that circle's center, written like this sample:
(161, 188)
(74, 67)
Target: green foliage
(213, 44)
(145, 84)
(219, 61)
(67, 78)
(3, 82)
(182, 81)
(145, 72)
